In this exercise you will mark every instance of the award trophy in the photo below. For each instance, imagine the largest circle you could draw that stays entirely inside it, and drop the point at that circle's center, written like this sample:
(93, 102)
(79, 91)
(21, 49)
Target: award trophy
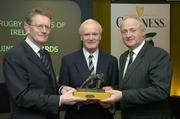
(91, 89)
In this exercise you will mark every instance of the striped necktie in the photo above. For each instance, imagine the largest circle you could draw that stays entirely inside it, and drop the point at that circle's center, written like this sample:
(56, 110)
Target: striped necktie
(91, 66)
(44, 60)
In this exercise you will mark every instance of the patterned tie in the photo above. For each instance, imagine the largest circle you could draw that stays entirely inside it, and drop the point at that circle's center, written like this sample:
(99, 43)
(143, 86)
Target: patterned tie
(91, 66)
(131, 53)
(44, 60)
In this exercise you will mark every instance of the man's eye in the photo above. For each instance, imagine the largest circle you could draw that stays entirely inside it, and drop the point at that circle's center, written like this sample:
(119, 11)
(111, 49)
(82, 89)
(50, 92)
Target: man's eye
(123, 32)
(132, 30)
(86, 34)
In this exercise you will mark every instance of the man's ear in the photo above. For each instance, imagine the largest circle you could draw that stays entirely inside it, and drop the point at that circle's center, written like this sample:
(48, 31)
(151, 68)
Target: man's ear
(26, 27)
(100, 37)
(81, 38)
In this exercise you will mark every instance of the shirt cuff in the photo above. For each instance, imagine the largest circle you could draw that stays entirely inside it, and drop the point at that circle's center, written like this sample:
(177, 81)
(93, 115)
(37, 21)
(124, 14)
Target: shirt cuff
(60, 89)
(59, 101)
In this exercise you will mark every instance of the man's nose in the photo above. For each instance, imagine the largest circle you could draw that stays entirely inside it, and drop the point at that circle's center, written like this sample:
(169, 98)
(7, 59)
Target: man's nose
(91, 36)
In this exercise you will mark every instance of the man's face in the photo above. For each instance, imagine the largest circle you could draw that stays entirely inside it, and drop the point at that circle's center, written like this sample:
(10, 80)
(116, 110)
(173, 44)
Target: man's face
(90, 36)
(39, 30)
(132, 34)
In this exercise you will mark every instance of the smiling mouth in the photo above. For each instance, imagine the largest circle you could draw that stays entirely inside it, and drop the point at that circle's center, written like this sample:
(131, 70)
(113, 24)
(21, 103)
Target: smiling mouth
(43, 35)
(91, 42)
(129, 40)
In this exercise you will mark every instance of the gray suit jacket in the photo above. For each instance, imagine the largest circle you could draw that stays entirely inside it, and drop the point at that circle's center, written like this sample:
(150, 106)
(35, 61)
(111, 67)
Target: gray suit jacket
(33, 92)
(146, 84)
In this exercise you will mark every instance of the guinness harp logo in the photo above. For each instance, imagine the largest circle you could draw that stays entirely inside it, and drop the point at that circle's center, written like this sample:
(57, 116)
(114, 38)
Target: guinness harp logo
(139, 10)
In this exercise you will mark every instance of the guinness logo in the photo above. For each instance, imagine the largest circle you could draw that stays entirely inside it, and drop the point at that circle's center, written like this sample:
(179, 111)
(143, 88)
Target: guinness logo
(139, 10)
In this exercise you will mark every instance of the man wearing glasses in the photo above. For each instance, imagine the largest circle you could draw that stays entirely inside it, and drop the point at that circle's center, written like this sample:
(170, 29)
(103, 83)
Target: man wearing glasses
(29, 74)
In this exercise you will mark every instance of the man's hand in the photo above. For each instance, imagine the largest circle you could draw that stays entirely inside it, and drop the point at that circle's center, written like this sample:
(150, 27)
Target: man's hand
(106, 88)
(65, 89)
(67, 98)
(116, 96)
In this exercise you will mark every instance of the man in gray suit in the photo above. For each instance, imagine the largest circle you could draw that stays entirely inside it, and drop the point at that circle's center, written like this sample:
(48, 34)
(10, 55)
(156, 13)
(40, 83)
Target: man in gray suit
(31, 82)
(144, 76)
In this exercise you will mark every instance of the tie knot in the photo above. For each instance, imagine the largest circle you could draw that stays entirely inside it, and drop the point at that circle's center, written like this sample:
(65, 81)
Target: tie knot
(90, 56)
(131, 53)
(41, 51)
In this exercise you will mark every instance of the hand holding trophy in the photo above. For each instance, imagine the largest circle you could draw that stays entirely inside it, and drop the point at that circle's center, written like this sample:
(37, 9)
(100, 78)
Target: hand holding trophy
(91, 89)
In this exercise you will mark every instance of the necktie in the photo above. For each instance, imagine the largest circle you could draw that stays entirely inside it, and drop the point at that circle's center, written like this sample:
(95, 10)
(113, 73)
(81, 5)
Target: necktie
(131, 53)
(91, 66)
(44, 60)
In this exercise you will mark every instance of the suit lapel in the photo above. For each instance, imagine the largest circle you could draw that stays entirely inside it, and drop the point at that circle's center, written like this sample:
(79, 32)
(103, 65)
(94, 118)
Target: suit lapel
(53, 76)
(82, 66)
(135, 63)
(122, 62)
(100, 63)
(33, 57)
(132, 67)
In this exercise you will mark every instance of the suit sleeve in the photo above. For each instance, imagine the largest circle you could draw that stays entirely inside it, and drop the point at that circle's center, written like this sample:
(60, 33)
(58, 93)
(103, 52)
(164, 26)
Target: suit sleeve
(17, 79)
(63, 75)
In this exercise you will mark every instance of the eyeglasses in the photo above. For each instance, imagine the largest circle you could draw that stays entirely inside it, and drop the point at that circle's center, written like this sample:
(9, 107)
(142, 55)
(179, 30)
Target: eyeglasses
(41, 27)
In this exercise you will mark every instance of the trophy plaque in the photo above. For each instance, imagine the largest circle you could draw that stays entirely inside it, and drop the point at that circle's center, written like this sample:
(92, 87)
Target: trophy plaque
(91, 88)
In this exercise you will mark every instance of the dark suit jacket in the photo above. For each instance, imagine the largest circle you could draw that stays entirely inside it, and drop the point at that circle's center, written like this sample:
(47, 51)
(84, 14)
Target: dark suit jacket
(33, 92)
(74, 71)
(146, 84)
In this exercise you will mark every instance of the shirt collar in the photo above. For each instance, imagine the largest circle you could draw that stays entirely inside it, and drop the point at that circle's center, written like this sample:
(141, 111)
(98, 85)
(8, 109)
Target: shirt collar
(136, 50)
(32, 45)
(86, 53)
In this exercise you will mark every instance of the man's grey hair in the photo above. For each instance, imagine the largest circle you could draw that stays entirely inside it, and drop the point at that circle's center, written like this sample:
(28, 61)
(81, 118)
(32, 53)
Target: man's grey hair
(90, 21)
(141, 25)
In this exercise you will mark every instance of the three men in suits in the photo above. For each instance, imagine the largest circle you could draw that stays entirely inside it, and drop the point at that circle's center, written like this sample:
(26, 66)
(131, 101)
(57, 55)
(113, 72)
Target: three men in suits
(74, 71)
(144, 85)
(32, 87)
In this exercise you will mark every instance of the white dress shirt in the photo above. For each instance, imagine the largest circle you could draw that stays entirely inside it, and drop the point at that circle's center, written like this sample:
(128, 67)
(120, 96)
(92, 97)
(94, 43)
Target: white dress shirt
(135, 51)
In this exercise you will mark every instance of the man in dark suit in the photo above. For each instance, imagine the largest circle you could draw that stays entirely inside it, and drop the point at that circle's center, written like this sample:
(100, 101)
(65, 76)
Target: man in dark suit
(145, 81)
(31, 83)
(74, 71)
